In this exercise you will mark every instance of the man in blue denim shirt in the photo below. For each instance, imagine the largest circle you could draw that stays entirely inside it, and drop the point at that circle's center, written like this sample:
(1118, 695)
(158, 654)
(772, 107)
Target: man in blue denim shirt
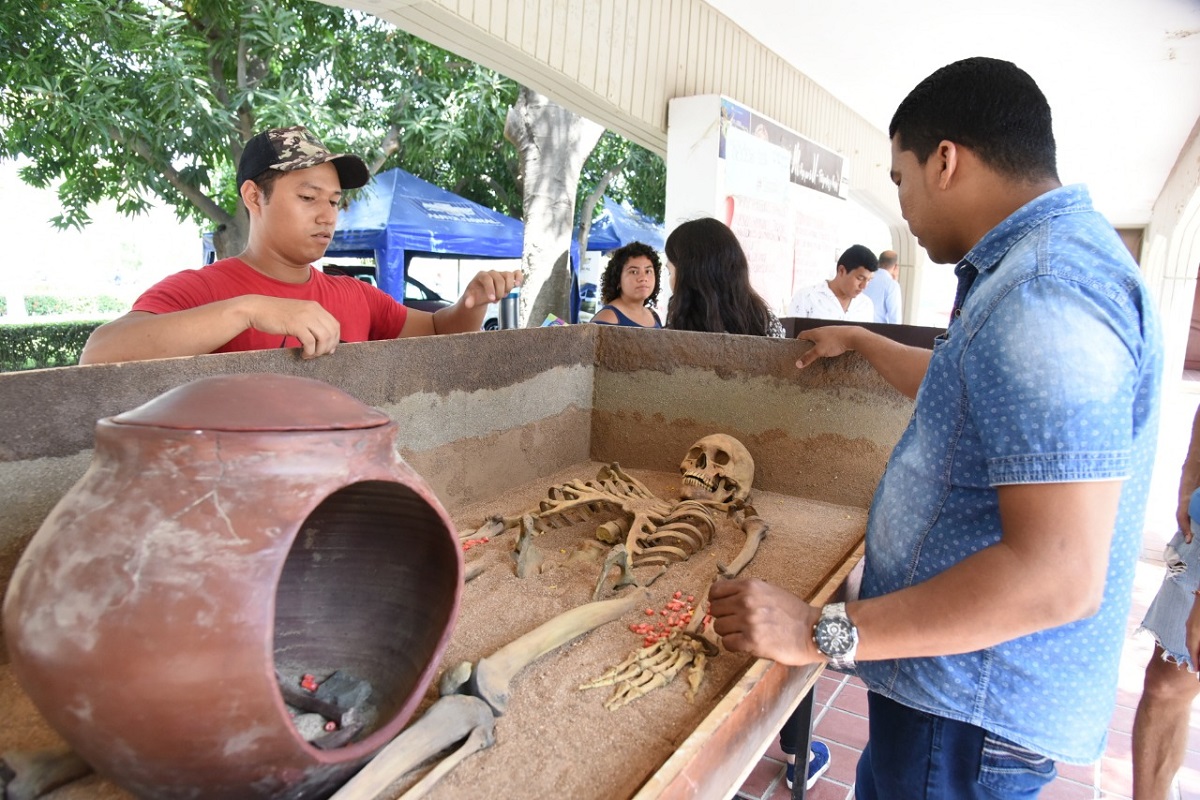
(1002, 539)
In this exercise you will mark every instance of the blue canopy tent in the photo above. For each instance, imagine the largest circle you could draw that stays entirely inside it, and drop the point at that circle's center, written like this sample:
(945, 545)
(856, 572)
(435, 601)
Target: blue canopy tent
(397, 214)
(619, 224)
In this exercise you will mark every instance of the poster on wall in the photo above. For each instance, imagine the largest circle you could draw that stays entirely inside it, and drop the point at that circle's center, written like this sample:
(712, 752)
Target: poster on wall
(788, 200)
(777, 185)
(769, 245)
(808, 164)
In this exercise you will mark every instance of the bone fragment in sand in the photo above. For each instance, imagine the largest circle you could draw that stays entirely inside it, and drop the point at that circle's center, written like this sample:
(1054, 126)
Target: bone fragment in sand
(617, 557)
(492, 526)
(480, 738)
(528, 557)
(25, 775)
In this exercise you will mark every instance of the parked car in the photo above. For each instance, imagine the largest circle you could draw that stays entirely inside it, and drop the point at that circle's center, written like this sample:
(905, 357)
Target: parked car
(418, 295)
(587, 302)
(587, 298)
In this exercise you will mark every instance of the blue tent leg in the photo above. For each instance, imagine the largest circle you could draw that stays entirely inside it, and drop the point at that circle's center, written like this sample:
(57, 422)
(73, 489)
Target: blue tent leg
(575, 299)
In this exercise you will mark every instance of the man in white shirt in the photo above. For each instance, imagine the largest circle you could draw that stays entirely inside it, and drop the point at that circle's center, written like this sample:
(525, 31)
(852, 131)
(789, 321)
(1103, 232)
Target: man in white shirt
(884, 289)
(842, 296)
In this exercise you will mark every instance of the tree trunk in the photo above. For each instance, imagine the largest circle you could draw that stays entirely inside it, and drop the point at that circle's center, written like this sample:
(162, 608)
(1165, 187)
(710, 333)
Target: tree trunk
(230, 238)
(552, 144)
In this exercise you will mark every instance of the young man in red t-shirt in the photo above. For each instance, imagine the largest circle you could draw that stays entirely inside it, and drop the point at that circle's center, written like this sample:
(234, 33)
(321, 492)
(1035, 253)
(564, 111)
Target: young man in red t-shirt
(270, 295)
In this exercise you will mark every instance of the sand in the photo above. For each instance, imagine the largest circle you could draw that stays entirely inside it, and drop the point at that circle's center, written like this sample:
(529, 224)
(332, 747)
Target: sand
(555, 740)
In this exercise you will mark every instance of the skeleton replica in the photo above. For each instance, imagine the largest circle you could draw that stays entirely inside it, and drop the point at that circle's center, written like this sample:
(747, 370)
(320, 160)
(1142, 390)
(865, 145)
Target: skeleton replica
(717, 476)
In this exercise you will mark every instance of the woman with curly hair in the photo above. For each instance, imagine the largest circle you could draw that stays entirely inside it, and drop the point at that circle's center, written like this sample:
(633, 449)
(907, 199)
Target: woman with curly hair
(629, 287)
(710, 283)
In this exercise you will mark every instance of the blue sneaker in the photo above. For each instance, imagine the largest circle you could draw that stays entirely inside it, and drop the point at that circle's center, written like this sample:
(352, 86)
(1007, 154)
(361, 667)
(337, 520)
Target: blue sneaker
(818, 762)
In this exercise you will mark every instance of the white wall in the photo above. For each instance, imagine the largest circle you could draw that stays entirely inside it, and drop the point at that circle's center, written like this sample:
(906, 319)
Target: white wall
(792, 234)
(1171, 255)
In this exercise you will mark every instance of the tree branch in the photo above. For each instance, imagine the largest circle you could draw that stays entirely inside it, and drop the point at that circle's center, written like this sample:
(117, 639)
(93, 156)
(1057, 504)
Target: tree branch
(492, 184)
(589, 205)
(390, 144)
(202, 201)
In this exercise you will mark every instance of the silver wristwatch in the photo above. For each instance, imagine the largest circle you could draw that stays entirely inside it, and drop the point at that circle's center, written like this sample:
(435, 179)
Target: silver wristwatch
(836, 636)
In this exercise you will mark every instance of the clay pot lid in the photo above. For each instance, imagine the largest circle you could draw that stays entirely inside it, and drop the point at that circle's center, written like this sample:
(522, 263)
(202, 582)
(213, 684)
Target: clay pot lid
(255, 402)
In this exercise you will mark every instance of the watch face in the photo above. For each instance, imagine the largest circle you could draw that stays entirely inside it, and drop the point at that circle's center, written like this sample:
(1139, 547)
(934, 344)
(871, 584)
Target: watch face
(835, 637)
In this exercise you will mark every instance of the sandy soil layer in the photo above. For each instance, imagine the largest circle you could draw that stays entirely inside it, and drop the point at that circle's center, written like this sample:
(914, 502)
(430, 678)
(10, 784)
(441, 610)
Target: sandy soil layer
(555, 740)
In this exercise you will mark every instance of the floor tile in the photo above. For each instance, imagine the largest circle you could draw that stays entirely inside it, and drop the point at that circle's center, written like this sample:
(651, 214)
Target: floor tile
(1116, 777)
(842, 727)
(1120, 745)
(759, 781)
(843, 763)
(1080, 773)
(1122, 720)
(1067, 790)
(823, 790)
(853, 699)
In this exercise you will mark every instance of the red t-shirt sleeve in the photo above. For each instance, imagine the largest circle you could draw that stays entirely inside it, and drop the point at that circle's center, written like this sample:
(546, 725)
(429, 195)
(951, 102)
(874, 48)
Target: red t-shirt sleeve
(388, 314)
(177, 292)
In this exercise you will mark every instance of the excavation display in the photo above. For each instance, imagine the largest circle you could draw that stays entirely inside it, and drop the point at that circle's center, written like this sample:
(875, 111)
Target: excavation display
(579, 663)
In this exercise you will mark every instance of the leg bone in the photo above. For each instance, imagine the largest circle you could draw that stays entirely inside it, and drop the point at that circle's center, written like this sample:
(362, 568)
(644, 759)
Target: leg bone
(493, 674)
(447, 721)
(480, 738)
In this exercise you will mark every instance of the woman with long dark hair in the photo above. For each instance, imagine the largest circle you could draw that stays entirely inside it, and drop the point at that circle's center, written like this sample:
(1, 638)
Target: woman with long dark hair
(711, 293)
(710, 283)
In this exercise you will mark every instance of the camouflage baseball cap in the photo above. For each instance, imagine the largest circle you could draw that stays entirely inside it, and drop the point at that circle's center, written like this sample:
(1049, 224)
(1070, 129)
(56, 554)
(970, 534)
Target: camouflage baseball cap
(287, 149)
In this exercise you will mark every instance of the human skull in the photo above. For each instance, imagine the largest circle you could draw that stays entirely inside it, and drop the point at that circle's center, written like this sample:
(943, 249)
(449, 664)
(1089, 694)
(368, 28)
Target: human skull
(717, 468)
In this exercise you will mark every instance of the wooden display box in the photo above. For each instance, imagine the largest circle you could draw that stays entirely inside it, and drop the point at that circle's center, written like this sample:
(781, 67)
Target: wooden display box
(491, 420)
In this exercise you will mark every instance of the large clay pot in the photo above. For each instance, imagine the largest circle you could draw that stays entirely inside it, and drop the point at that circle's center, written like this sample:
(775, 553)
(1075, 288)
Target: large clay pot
(231, 528)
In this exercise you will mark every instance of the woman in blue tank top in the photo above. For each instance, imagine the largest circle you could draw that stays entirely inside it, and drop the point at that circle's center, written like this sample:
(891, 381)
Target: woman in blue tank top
(629, 287)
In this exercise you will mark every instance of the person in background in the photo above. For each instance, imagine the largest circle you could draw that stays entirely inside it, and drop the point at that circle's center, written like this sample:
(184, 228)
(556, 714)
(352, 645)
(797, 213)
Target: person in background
(1002, 539)
(629, 288)
(884, 289)
(1160, 725)
(711, 293)
(710, 283)
(270, 295)
(840, 297)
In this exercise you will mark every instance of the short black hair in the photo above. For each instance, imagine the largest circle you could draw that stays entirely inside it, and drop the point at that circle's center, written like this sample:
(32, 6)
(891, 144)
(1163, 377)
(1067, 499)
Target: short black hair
(857, 255)
(992, 107)
(610, 281)
(265, 181)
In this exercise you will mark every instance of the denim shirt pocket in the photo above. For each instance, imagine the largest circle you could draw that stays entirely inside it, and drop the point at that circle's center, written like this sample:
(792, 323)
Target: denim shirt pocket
(1012, 769)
